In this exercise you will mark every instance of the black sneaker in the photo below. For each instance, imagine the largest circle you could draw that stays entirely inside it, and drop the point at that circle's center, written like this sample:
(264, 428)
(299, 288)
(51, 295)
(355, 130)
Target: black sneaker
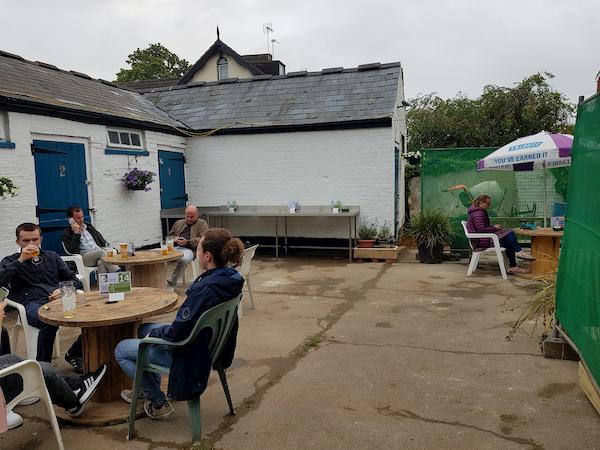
(75, 361)
(89, 383)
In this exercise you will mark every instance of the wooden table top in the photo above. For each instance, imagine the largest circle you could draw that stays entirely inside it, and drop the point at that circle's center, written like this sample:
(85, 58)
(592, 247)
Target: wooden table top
(541, 231)
(143, 257)
(141, 302)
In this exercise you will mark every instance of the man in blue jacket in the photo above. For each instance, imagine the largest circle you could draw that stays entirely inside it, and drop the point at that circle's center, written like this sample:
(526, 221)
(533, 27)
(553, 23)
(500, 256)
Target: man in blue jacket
(32, 277)
(191, 364)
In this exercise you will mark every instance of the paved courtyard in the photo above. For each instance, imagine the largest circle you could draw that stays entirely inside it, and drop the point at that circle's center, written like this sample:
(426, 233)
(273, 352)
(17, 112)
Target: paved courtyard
(370, 356)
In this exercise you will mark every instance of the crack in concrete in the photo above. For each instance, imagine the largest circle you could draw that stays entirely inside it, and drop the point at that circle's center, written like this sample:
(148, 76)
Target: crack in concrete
(432, 349)
(406, 414)
(281, 366)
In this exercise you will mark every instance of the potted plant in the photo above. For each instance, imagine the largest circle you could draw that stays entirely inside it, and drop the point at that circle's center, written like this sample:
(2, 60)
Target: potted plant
(138, 180)
(367, 233)
(7, 188)
(432, 231)
(384, 235)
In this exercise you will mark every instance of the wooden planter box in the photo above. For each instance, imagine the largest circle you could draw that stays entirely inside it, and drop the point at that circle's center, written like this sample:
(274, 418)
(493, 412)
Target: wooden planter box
(387, 254)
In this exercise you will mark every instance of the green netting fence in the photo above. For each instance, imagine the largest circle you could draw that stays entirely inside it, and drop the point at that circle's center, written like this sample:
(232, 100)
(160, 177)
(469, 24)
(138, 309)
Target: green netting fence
(578, 283)
(449, 180)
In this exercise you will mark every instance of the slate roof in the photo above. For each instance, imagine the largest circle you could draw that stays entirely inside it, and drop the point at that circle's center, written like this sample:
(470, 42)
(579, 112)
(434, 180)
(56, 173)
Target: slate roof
(148, 85)
(335, 95)
(45, 87)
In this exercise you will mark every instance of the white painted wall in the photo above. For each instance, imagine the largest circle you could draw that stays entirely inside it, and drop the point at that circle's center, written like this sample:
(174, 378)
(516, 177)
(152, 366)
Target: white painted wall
(121, 214)
(209, 71)
(354, 166)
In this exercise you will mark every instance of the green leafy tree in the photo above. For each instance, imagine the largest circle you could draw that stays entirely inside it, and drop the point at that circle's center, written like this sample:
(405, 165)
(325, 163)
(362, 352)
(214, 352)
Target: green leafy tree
(499, 116)
(153, 63)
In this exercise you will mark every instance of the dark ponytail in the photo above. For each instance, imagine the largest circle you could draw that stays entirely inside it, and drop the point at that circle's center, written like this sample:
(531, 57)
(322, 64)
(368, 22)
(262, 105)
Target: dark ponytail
(224, 248)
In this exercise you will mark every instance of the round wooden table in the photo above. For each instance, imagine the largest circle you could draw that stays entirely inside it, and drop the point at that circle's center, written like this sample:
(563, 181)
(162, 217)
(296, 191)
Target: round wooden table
(545, 248)
(103, 325)
(148, 267)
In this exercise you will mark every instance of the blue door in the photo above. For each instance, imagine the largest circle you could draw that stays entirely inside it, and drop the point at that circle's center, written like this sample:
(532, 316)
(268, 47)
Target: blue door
(60, 177)
(172, 179)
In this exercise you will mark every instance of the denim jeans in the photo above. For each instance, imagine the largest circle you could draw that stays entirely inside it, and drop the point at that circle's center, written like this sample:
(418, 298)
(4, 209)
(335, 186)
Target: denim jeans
(509, 242)
(47, 334)
(60, 388)
(126, 354)
(188, 256)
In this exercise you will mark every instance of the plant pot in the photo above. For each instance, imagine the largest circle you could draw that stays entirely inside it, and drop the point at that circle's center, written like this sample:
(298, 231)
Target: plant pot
(366, 243)
(431, 255)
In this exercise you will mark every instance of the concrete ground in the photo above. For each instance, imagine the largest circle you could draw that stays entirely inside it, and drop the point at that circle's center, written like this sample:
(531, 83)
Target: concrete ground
(370, 356)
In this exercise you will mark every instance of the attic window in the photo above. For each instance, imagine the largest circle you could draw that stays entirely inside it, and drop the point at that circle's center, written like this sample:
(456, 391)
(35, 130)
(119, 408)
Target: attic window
(223, 68)
(124, 138)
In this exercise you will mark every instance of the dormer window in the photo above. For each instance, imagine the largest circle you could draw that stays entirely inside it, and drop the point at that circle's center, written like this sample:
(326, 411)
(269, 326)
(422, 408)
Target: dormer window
(222, 68)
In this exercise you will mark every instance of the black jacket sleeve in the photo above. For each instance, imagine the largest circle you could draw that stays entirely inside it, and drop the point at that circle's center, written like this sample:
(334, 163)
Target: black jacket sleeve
(71, 241)
(8, 268)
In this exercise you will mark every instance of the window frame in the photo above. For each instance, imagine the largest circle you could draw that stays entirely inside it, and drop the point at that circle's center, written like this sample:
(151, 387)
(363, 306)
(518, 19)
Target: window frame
(129, 133)
(222, 63)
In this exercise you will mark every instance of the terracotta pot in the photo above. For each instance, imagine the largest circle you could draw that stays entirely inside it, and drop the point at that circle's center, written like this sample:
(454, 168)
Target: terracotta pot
(366, 243)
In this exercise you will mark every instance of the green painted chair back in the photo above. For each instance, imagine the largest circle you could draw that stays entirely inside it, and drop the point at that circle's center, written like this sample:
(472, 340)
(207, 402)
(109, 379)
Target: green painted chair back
(219, 319)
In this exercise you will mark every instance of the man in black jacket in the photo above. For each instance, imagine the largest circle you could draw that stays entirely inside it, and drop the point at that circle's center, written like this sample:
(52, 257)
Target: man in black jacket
(81, 238)
(32, 276)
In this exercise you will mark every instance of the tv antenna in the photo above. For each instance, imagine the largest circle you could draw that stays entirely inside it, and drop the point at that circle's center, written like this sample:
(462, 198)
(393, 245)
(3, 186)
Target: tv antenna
(268, 29)
(273, 42)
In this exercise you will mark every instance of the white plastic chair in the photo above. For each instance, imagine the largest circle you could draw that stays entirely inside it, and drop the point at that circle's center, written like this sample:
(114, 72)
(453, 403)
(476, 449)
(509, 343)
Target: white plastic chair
(82, 269)
(33, 386)
(244, 270)
(476, 254)
(30, 332)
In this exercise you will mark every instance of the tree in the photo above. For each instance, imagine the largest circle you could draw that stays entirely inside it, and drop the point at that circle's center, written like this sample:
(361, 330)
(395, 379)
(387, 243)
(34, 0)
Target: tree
(499, 116)
(153, 63)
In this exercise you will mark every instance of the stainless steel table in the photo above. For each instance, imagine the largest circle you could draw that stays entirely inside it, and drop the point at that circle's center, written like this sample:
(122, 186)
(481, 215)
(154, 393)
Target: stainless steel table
(282, 212)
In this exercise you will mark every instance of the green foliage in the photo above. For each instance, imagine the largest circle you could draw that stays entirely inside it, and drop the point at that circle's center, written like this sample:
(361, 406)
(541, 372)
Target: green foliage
(368, 229)
(499, 116)
(385, 232)
(432, 228)
(153, 63)
(8, 188)
(561, 176)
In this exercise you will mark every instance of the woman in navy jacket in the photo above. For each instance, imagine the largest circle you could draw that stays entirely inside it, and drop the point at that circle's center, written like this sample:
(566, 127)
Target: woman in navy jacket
(479, 222)
(191, 364)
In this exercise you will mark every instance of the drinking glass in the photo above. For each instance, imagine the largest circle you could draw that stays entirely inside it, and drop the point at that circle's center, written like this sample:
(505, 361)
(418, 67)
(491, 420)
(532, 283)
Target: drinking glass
(124, 247)
(36, 256)
(68, 298)
(170, 243)
(164, 249)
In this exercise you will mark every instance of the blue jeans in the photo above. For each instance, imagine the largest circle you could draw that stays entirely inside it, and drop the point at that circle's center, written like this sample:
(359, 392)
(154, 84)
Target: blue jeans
(509, 242)
(126, 354)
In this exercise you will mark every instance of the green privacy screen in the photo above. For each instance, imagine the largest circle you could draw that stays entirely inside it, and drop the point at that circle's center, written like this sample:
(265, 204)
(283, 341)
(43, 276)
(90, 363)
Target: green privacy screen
(578, 284)
(449, 180)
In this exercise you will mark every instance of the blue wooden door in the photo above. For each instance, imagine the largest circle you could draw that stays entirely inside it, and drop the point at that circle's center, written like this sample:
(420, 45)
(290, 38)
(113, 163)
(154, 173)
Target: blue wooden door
(60, 176)
(172, 179)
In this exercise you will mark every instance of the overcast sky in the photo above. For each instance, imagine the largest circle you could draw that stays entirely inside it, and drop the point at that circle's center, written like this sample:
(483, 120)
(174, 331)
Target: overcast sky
(445, 46)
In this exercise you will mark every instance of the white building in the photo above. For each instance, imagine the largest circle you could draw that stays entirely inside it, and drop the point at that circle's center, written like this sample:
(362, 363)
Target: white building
(313, 137)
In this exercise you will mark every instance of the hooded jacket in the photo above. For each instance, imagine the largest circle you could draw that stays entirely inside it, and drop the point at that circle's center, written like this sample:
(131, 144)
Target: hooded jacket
(479, 222)
(191, 364)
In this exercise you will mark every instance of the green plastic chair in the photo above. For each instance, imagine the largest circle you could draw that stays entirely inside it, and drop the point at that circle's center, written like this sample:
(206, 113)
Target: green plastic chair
(220, 320)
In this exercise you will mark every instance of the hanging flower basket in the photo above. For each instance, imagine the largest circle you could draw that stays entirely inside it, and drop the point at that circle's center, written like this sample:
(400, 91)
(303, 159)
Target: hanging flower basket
(138, 180)
(8, 188)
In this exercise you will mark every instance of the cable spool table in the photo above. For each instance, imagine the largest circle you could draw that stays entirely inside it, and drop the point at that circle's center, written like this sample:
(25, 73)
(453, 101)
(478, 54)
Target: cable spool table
(147, 267)
(103, 326)
(545, 248)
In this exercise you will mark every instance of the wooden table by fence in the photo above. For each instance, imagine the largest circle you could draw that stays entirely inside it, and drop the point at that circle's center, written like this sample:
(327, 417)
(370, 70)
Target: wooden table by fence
(148, 267)
(103, 326)
(545, 248)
